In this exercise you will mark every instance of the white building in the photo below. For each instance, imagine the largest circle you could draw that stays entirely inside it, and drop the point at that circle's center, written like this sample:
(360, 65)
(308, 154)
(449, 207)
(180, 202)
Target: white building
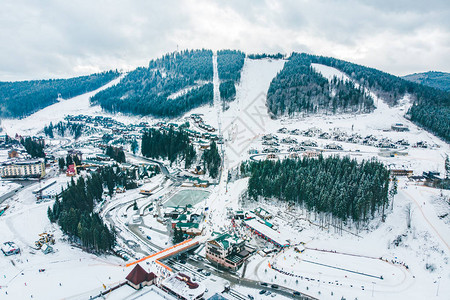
(34, 168)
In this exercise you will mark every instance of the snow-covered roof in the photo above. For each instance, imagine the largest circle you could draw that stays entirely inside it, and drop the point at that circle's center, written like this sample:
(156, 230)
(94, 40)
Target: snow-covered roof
(183, 285)
(275, 236)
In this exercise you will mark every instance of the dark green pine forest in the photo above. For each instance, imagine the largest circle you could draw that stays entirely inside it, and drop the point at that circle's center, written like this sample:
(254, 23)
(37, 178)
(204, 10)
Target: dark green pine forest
(298, 88)
(147, 91)
(22, 98)
(171, 145)
(74, 213)
(431, 108)
(229, 67)
(212, 160)
(333, 186)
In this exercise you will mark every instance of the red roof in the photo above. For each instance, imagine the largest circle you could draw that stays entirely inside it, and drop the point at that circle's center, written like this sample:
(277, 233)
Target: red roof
(138, 275)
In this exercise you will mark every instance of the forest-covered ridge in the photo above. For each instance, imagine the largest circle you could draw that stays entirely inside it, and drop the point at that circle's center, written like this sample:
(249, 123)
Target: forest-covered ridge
(21, 98)
(149, 90)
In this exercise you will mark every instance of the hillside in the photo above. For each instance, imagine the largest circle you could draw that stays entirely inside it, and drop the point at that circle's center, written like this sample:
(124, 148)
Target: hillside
(298, 88)
(438, 80)
(168, 87)
(22, 98)
(178, 82)
(229, 67)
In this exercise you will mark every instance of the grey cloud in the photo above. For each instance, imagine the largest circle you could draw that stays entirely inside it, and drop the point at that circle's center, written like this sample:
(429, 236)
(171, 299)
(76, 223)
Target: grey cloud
(50, 38)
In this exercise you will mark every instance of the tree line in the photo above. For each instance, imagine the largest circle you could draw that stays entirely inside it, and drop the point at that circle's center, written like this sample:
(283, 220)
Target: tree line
(74, 214)
(431, 108)
(227, 90)
(116, 153)
(22, 98)
(265, 55)
(298, 87)
(212, 160)
(229, 67)
(61, 128)
(340, 188)
(34, 147)
(149, 91)
(172, 145)
(70, 160)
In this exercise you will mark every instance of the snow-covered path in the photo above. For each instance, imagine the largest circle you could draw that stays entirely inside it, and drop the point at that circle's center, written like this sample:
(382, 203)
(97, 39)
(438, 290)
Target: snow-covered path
(248, 117)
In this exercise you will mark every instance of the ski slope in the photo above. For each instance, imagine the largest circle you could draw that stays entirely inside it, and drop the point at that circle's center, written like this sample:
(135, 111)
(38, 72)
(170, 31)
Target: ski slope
(329, 258)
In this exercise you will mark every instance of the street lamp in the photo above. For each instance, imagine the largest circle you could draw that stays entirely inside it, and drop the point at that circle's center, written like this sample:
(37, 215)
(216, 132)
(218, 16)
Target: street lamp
(373, 287)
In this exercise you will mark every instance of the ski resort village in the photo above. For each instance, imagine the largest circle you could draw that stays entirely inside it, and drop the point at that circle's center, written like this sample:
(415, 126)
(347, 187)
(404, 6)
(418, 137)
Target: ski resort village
(225, 175)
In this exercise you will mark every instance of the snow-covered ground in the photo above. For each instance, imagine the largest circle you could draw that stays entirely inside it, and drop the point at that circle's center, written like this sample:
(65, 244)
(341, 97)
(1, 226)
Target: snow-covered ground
(32, 124)
(333, 265)
(6, 187)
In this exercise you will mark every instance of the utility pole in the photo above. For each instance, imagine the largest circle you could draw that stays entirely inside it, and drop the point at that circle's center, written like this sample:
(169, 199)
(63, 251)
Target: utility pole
(373, 287)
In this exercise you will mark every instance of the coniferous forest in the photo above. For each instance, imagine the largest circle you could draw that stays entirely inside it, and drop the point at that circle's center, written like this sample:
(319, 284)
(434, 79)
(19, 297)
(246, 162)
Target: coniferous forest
(265, 55)
(74, 213)
(227, 90)
(171, 145)
(63, 128)
(299, 88)
(22, 98)
(334, 186)
(229, 67)
(211, 160)
(153, 90)
(116, 153)
(34, 147)
(431, 108)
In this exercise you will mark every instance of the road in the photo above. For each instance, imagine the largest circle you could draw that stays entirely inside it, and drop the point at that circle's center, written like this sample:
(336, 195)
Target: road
(236, 280)
(23, 183)
(161, 165)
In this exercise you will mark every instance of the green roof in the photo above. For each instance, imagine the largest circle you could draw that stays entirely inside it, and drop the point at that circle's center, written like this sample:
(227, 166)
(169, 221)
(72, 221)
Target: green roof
(268, 224)
(182, 217)
(187, 225)
(225, 238)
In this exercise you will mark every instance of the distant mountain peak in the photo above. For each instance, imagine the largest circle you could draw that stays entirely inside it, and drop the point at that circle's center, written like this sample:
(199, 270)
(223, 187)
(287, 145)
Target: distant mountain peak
(436, 79)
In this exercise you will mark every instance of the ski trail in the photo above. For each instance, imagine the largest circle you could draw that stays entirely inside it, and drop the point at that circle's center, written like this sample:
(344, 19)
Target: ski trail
(216, 84)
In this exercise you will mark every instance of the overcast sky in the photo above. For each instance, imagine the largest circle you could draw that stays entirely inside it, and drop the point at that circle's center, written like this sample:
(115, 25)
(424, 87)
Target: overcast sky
(48, 39)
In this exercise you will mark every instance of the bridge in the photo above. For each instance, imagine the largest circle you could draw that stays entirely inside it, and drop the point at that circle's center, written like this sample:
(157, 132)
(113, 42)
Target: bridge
(171, 251)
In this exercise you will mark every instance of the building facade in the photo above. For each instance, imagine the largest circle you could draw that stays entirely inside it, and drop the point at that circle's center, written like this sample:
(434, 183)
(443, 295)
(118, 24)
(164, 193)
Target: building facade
(23, 169)
(227, 251)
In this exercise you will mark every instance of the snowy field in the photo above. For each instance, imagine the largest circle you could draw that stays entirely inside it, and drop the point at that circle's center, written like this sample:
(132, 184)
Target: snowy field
(412, 262)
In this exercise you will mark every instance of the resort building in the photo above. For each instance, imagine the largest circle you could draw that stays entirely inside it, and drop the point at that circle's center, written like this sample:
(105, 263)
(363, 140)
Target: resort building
(139, 278)
(227, 251)
(22, 168)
